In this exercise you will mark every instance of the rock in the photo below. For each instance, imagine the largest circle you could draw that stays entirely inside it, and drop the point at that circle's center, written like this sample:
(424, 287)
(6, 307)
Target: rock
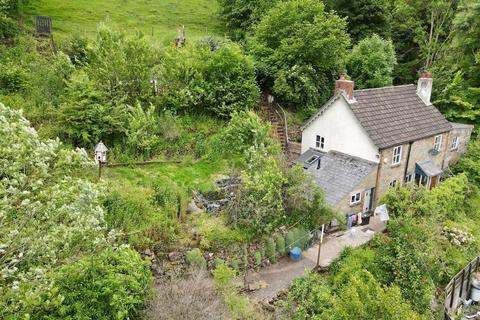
(175, 256)
(212, 207)
(148, 252)
(193, 208)
(257, 285)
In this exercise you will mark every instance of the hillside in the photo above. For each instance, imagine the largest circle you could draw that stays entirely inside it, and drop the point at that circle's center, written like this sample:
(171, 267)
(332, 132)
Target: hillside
(159, 20)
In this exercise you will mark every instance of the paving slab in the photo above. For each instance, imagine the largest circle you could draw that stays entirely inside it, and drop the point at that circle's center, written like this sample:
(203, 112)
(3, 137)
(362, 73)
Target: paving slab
(278, 276)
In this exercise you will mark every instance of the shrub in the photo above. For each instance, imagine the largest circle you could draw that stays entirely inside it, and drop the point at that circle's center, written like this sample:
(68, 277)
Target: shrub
(235, 264)
(192, 298)
(280, 245)
(195, 259)
(8, 27)
(270, 250)
(290, 240)
(168, 196)
(257, 258)
(111, 285)
(223, 275)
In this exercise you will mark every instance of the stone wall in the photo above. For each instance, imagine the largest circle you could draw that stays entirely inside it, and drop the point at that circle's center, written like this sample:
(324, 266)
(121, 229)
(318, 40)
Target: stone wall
(420, 150)
(463, 132)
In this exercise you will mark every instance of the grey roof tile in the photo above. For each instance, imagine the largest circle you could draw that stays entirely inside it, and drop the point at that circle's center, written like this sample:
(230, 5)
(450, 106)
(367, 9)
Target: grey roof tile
(395, 115)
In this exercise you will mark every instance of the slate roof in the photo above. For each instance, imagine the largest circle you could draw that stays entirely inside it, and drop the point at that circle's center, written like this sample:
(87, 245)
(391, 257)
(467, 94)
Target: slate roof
(338, 174)
(427, 168)
(396, 115)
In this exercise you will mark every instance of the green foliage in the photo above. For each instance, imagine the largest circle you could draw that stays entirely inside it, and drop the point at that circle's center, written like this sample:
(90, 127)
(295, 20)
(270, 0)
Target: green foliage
(298, 48)
(142, 134)
(195, 259)
(258, 205)
(241, 15)
(364, 17)
(199, 79)
(245, 131)
(84, 118)
(470, 163)
(110, 285)
(8, 27)
(270, 253)
(143, 224)
(280, 245)
(257, 256)
(290, 240)
(50, 217)
(371, 63)
(169, 196)
(223, 275)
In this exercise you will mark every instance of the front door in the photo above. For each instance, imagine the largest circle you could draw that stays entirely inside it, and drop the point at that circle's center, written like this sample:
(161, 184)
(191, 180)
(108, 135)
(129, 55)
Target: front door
(433, 182)
(367, 200)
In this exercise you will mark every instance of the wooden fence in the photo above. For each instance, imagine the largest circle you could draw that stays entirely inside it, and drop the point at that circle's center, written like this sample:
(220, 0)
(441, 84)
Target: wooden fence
(458, 289)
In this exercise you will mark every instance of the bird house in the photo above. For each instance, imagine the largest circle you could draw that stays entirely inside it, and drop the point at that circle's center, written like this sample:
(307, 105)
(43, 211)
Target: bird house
(101, 152)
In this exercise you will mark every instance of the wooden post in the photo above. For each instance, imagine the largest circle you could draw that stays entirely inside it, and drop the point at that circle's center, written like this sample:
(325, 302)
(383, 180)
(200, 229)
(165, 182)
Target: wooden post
(453, 292)
(99, 169)
(320, 245)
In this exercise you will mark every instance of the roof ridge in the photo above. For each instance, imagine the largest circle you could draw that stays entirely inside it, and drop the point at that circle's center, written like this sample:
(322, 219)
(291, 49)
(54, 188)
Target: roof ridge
(386, 87)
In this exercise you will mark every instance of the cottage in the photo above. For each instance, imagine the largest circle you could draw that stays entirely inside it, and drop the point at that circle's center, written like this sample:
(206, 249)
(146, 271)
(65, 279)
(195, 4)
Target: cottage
(363, 142)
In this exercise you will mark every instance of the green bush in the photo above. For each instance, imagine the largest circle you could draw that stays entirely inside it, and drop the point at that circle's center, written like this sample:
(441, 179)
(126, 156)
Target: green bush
(8, 27)
(270, 250)
(195, 259)
(290, 240)
(110, 285)
(280, 245)
(235, 264)
(13, 78)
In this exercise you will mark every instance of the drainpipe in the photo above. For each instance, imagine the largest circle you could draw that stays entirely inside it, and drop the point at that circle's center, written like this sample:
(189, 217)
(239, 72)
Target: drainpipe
(408, 161)
(380, 164)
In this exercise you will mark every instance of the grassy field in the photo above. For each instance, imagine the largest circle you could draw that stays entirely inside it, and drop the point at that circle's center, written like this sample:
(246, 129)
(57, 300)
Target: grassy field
(159, 20)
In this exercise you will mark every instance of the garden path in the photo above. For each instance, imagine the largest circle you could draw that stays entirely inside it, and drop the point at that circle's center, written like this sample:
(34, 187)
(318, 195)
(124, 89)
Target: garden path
(278, 276)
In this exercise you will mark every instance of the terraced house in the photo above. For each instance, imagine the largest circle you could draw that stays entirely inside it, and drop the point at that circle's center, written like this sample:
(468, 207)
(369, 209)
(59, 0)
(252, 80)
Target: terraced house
(362, 142)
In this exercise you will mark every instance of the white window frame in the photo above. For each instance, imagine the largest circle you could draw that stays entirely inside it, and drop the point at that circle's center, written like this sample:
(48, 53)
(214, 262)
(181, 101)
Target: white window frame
(397, 155)
(312, 159)
(319, 142)
(393, 183)
(356, 198)
(437, 143)
(455, 143)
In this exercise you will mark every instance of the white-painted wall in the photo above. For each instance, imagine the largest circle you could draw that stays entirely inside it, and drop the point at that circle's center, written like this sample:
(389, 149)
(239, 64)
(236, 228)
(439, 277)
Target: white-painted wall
(342, 132)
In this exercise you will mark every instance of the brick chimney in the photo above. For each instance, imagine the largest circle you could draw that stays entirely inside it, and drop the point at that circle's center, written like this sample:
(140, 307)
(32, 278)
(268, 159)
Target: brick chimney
(424, 86)
(344, 85)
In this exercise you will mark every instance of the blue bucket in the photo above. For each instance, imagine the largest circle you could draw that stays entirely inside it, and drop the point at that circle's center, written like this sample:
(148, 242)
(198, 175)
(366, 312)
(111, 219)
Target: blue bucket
(296, 254)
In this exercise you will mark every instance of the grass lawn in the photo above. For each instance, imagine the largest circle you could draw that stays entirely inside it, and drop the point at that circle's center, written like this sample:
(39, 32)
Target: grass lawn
(159, 20)
(197, 175)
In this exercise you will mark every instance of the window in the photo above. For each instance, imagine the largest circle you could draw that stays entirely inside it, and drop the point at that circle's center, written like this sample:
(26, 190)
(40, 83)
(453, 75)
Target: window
(454, 145)
(437, 144)
(409, 178)
(320, 142)
(393, 183)
(397, 155)
(311, 160)
(355, 198)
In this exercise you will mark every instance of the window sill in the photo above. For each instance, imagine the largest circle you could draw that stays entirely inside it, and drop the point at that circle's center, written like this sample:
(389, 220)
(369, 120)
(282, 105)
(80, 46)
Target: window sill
(355, 204)
(396, 165)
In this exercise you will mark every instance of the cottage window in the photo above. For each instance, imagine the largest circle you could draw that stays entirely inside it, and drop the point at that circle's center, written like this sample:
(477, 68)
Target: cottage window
(397, 155)
(409, 178)
(393, 183)
(437, 144)
(454, 145)
(320, 142)
(355, 198)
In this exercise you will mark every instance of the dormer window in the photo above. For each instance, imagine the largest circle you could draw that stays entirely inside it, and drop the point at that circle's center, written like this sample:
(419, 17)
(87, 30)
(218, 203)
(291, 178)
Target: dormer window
(397, 155)
(320, 142)
(455, 142)
(437, 144)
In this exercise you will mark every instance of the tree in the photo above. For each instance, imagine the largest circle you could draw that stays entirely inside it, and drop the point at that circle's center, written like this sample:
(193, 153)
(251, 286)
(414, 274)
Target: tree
(470, 163)
(241, 15)
(199, 78)
(364, 17)
(299, 49)
(371, 63)
(49, 217)
(420, 32)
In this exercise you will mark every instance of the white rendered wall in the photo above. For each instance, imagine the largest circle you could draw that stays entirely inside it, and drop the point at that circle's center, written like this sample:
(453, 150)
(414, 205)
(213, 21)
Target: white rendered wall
(342, 132)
